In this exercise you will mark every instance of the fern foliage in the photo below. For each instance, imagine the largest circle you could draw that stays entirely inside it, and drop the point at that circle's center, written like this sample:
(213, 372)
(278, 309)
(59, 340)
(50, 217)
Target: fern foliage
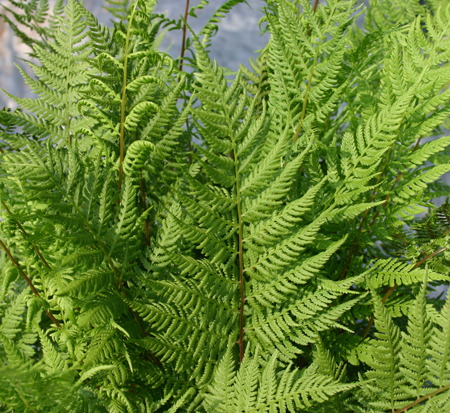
(202, 241)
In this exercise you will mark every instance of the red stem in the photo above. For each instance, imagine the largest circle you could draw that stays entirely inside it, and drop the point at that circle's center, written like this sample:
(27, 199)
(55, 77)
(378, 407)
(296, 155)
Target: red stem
(422, 399)
(183, 46)
(241, 311)
(316, 4)
(26, 235)
(183, 50)
(28, 281)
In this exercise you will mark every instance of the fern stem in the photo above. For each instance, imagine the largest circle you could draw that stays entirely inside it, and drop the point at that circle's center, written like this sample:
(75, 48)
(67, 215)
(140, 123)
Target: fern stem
(315, 5)
(183, 50)
(240, 252)
(66, 103)
(22, 229)
(144, 202)
(241, 261)
(305, 101)
(28, 281)
(183, 45)
(422, 399)
(241, 312)
(124, 97)
(147, 235)
(428, 257)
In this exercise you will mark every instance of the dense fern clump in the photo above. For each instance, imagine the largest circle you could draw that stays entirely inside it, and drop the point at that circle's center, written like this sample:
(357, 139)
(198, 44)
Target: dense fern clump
(206, 241)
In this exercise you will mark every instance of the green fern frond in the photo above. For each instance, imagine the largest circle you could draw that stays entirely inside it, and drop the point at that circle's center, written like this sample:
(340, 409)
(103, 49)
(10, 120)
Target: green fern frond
(256, 388)
(394, 272)
(415, 344)
(438, 365)
(386, 360)
(13, 316)
(216, 253)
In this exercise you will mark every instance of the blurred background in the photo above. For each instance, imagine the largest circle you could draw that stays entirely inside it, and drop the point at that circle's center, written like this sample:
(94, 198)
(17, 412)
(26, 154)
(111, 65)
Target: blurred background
(236, 42)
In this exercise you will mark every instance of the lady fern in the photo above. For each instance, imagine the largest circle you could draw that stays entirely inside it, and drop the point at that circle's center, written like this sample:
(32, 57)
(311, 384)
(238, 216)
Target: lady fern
(254, 246)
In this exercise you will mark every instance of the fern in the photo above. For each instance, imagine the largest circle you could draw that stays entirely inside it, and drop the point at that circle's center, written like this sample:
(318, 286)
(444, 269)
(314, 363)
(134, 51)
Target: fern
(253, 246)
(247, 390)
(27, 17)
(404, 372)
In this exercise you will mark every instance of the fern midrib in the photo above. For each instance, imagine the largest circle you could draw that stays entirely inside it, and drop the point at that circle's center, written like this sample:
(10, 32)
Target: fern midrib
(28, 281)
(69, 61)
(423, 347)
(124, 96)
(392, 369)
(445, 357)
(241, 236)
(240, 221)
